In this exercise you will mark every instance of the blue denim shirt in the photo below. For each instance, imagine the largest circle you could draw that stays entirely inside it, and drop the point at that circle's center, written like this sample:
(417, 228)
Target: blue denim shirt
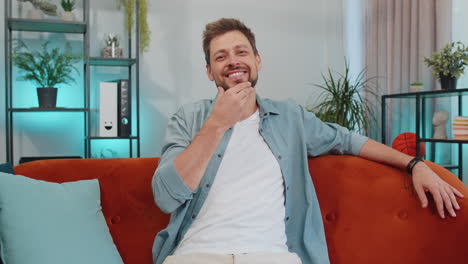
(292, 133)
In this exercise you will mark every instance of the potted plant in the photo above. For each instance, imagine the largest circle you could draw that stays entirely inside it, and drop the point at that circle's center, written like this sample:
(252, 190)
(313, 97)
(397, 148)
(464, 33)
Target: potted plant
(112, 49)
(40, 8)
(68, 6)
(449, 64)
(47, 68)
(129, 8)
(342, 101)
(416, 87)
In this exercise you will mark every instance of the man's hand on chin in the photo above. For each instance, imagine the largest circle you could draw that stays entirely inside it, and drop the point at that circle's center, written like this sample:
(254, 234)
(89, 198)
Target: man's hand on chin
(230, 105)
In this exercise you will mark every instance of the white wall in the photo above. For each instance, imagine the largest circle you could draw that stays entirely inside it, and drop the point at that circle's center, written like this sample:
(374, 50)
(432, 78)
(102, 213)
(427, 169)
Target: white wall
(297, 39)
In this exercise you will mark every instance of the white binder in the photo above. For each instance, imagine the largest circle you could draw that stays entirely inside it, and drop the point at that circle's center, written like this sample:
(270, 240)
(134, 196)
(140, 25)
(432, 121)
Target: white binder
(108, 109)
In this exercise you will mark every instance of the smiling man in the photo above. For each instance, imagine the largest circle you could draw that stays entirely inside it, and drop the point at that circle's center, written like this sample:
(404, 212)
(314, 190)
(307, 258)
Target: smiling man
(234, 171)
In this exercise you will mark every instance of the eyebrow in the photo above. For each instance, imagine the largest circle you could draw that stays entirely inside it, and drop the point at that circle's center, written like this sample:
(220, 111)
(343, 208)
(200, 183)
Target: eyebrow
(235, 47)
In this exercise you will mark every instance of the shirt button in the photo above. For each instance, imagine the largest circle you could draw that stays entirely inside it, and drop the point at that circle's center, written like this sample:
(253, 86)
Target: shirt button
(208, 185)
(219, 155)
(287, 188)
(287, 218)
(193, 216)
(261, 130)
(279, 157)
(265, 114)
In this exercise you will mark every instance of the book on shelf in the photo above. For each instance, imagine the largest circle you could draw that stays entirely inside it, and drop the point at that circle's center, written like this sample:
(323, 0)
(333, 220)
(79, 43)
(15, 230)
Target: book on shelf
(460, 127)
(124, 109)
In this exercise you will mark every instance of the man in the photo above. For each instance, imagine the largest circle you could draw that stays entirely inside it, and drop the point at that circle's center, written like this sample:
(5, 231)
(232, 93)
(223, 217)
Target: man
(234, 171)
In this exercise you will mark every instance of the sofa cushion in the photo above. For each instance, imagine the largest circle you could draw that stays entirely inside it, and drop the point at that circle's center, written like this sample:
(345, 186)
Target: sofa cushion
(126, 195)
(43, 222)
(7, 168)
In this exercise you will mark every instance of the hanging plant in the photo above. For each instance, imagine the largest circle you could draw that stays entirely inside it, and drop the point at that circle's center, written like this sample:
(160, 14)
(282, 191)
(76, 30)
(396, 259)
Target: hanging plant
(129, 8)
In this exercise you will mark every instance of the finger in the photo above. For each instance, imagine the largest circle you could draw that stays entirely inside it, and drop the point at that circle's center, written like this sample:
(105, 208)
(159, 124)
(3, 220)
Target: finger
(438, 201)
(452, 197)
(245, 93)
(447, 202)
(421, 194)
(457, 192)
(220, 90)
(244, 97)
(239, 87)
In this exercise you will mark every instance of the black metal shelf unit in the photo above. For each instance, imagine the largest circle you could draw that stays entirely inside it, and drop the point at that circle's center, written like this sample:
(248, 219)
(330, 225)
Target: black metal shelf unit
(419, 115)
(75, 27)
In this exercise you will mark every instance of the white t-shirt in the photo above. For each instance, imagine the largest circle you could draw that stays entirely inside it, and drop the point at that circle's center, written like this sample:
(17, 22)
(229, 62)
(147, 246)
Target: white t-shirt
(244, 211)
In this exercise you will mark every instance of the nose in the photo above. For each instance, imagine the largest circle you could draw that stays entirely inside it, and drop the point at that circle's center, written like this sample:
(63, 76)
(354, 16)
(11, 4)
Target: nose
(234, 61)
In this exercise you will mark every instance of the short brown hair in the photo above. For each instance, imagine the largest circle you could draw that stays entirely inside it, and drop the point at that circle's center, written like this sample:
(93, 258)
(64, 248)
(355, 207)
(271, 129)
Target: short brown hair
(221, 26)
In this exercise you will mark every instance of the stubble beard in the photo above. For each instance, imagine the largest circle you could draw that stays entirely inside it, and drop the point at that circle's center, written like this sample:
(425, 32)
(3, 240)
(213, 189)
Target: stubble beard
(226, 87)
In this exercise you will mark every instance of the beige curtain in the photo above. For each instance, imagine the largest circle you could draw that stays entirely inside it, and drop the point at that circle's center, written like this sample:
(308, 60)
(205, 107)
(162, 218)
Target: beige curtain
(399, 33)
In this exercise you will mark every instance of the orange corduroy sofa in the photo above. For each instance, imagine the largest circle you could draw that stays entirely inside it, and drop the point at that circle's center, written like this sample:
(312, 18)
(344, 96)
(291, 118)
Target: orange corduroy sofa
(368, 213)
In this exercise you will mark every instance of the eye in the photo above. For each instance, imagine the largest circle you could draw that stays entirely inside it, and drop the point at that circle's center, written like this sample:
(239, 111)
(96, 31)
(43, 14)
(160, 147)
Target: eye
(219, 58)
(242, 52)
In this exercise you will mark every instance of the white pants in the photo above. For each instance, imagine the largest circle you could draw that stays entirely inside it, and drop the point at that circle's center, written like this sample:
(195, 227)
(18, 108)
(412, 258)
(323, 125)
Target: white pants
(250, 258)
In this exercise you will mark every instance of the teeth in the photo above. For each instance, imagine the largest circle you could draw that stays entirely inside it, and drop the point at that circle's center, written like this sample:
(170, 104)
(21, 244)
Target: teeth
(235, 74)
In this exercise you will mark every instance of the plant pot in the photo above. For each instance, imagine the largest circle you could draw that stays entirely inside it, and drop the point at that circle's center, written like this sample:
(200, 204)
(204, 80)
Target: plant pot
(47, 97)
(109, 52)
(68, 16)
(416, 88)
(448, 82)
(35, 14)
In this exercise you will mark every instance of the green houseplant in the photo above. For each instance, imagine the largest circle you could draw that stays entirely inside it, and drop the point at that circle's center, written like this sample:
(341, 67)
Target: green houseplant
(416, 87)
(47, 68)
(129, 8)
(342, 100)
(68, 6)
(449, 64)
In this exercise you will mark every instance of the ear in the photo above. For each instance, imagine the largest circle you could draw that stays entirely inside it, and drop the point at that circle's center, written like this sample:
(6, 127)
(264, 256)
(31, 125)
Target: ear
(258, 61)
(209, 73)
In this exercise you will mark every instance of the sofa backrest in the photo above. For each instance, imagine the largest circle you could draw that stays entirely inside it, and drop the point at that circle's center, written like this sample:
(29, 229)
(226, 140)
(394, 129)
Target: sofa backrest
(372, 215)
(126, 198)
(369, 215)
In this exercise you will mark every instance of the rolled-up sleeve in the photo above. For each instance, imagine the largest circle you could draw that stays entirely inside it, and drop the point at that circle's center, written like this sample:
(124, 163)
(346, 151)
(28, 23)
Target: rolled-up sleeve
(169, 190)
(328, 138)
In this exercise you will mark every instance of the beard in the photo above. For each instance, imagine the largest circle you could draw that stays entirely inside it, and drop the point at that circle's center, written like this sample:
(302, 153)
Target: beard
(253, 81)
(226, 87)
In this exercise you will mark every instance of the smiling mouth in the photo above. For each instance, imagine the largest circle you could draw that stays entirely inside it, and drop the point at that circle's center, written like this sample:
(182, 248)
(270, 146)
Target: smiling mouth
(237, 75)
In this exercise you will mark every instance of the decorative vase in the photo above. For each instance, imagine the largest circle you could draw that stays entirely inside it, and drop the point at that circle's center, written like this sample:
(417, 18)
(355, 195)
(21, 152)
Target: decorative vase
(448, 82)
(68, 16)
(47, 97)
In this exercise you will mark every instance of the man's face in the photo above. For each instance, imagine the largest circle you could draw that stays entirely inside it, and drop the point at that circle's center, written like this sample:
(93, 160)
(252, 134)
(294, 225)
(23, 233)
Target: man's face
(232, 60)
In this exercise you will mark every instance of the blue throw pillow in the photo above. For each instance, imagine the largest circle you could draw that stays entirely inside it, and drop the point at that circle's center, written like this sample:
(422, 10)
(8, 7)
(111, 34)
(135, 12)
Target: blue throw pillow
(44, 222)
(7, 168)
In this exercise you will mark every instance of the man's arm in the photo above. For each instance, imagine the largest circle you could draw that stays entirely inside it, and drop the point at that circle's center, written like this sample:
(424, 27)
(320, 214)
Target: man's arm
(228, 110)
(184, 160)
(424, 179)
